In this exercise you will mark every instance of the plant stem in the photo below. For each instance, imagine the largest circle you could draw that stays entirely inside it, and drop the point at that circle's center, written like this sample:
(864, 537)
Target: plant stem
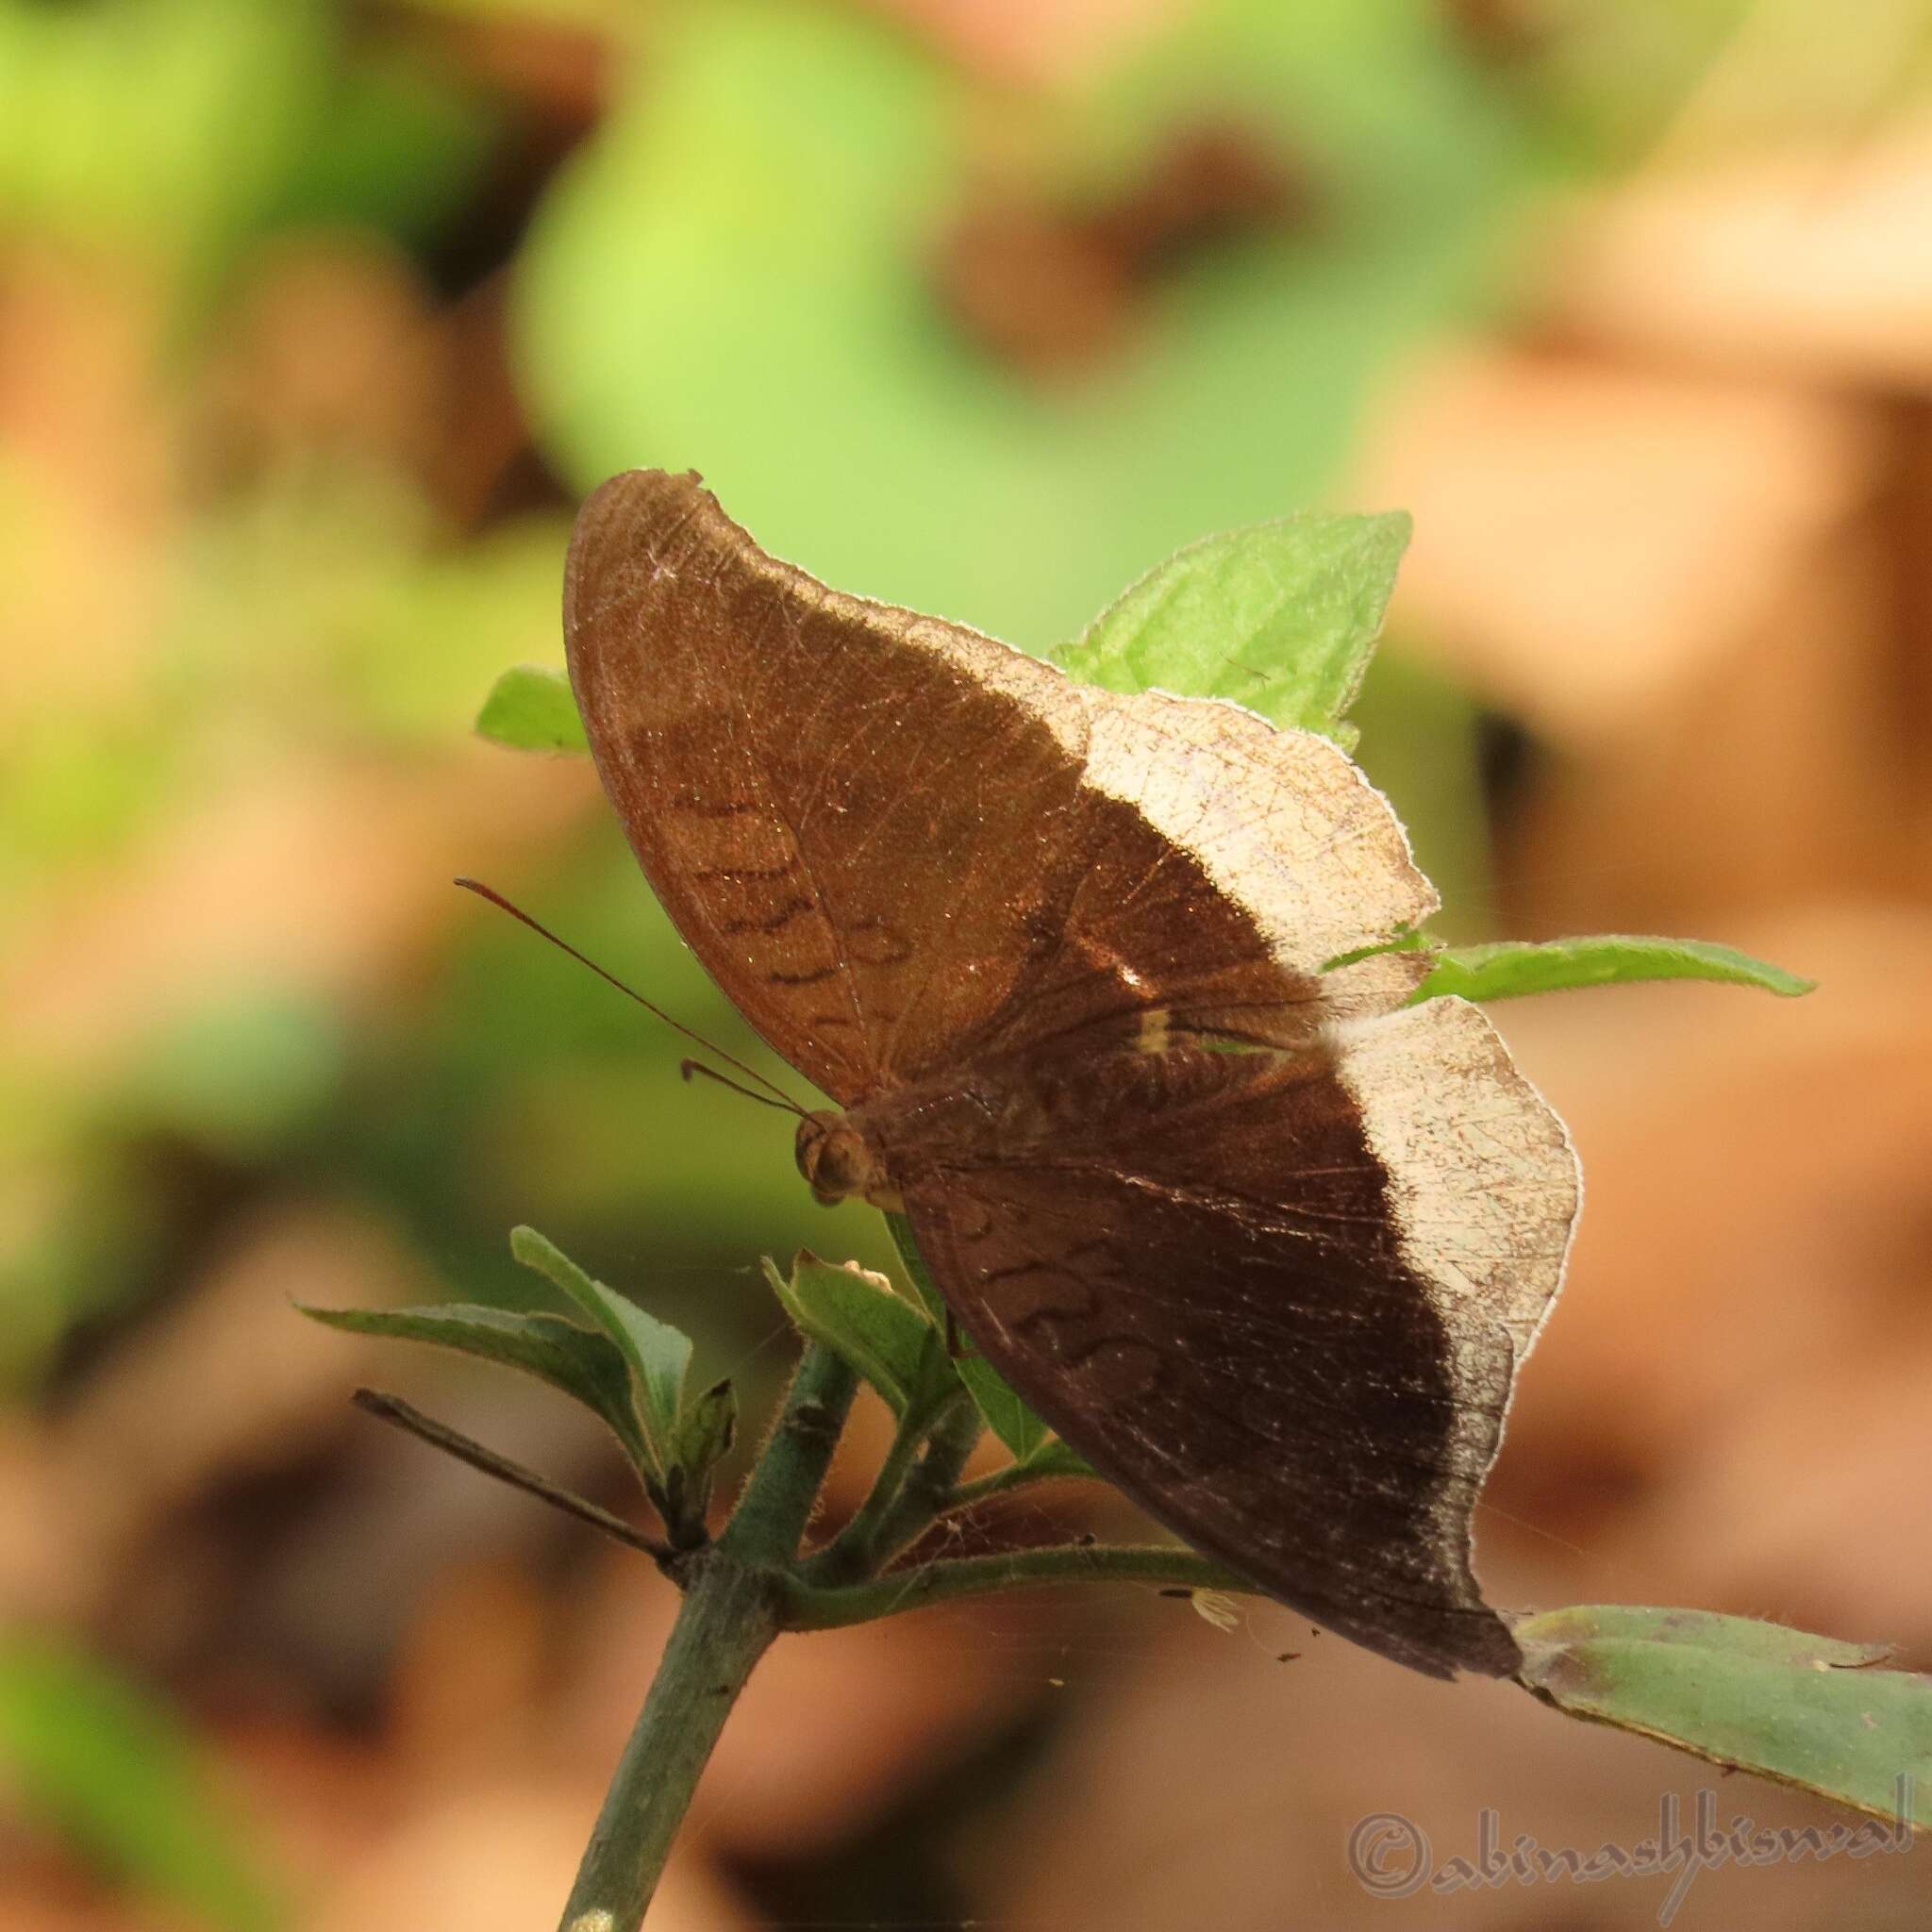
(731, 1613)
(727, 1623)
(856, 1551)
(1004, 1481)
(784, 1482)
(931, 1481)
(1169, 1568)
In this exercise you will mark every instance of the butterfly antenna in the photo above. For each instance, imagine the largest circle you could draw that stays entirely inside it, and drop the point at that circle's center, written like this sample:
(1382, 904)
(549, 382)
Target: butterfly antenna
(784, 1100)
(690, 1067)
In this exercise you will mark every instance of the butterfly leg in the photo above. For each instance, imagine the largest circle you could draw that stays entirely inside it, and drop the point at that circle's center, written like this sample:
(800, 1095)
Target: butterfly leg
(959, 1347)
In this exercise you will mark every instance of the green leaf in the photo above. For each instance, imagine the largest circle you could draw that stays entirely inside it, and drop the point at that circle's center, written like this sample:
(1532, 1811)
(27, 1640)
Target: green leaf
(706, 1427)
(121, 1777)
(531, 708)
(1803, 1710)
(1511, 968)
(707, 1430)
(655, 1355)
(855, 1313)
(1007, 1416)
(584, 1364)
(1281, 617)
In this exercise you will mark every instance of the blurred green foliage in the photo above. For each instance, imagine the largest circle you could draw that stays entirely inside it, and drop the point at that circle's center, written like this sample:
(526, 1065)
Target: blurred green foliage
(737, 267)
(226, 578)
(733, 271)
(180, 126)
(103, 1761)
(735, 275)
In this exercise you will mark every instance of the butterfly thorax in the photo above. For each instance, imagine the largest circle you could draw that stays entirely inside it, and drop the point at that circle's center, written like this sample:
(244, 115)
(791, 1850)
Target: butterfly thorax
(1021, 1107)
(896, 1136)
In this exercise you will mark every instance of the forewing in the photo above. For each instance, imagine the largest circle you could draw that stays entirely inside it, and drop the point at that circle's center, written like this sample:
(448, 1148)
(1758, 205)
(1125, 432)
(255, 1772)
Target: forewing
(1285, 1329)
(900, 845)
(845, 807)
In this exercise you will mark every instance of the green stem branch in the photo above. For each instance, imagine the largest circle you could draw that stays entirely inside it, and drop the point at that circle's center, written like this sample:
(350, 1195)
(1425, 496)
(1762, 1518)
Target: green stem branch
(932, 1482)
(804, 1608)
(858, 1549)
(784, 1482)
(402, 1415)
(726, 1624)
(734, 1593)
(1003, 1481)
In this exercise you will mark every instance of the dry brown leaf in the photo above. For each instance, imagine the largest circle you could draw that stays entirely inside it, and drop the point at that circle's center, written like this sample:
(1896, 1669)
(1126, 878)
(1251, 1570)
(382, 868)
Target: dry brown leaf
(1590, 540)
(1752, 1248)
(1813, 263)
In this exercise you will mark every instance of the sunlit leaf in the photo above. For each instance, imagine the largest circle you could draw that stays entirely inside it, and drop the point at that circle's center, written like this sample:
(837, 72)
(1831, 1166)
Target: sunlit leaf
(530, 709)
(1511, 968)
(1805, 1710)
(1281, 617)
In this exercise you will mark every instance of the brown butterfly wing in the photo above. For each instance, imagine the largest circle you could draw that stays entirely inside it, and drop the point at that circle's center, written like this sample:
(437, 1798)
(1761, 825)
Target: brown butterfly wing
(1281, 1317)
(906, 851)
(900, 845)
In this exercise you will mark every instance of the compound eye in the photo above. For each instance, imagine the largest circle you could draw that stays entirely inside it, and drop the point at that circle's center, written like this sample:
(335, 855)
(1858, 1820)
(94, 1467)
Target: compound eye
(841, 1164)
(831, 1158)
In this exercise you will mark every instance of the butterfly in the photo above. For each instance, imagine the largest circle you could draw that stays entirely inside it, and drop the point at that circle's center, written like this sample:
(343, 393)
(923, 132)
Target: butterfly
(1089, 976)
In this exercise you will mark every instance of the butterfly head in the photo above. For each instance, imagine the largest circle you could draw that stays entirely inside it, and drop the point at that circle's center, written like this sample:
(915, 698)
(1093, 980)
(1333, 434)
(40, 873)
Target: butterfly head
(836, 1158)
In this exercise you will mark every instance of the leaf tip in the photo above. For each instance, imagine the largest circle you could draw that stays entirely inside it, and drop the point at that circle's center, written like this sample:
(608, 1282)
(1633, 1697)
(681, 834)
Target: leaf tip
(531, 708)
(1398, 524)
(530, 1247)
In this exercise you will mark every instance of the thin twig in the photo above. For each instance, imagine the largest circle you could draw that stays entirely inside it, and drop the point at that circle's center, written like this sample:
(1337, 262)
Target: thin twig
(394, 1410)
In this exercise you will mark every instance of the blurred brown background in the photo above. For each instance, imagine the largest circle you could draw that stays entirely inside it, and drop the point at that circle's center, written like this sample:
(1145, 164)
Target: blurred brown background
(315, 320)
